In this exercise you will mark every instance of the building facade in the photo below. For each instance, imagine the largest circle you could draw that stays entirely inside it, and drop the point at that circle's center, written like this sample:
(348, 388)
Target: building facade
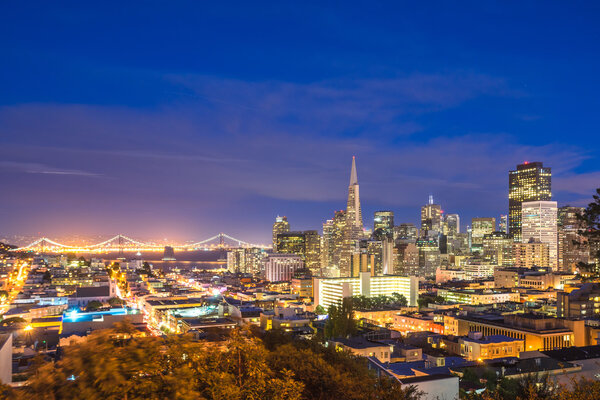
(531, 181)
(331, 291)
(539, 222)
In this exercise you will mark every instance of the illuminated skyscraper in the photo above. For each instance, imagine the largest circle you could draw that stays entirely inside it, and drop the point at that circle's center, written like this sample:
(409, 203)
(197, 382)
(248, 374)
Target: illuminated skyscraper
(503, 223)
(479, 228)
(353, 229)
(452, 224)
(406, 232)
(384, 221)
(539, 224)
(431, 219)
(498, 248)
(312, 251)
(292, 243)
(529, 182)
(353, 211)
(281, 225)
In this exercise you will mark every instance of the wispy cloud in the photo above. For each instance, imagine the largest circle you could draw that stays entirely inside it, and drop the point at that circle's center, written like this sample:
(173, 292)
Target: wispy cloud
(35, 168)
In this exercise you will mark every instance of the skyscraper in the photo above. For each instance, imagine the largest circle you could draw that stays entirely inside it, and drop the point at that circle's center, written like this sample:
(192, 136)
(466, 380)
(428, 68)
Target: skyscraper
(281, 225)
(353, 229)
(529, 182)
(452, 224)
(572, 247)
(312, 251)
(479, 228)
(292, 243)
(353, 211)
(431, 219)
(539, 224)
(384, 221)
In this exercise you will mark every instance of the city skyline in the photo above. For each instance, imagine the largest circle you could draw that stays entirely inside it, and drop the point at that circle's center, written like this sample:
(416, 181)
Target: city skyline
(193, 133)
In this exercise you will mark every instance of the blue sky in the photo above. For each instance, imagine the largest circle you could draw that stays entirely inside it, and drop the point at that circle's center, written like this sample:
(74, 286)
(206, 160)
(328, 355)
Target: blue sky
(183, 119)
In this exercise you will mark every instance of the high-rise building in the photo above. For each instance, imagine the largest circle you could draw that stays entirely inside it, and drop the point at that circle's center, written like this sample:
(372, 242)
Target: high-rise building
(384, 222)
(245, 260)
(305, 244)
(531, 254)
(281, 225)
(479, 228)
(498, 248)
(429, 256)
(431, 219)
(408, 259)
(406, 232)
(503, 223)
(539, 223)
(312, 250)
(529, 182)
(353, 229)
(452, 224)
(281, 267)
(572, 247)
(333, 240)
(292, 243)
(353, 210)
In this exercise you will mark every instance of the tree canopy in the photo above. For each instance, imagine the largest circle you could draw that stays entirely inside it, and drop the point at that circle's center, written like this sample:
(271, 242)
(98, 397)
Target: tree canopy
(181, 368)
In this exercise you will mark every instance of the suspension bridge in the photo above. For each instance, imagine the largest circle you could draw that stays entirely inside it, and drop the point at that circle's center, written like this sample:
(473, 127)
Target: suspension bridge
(121, 243)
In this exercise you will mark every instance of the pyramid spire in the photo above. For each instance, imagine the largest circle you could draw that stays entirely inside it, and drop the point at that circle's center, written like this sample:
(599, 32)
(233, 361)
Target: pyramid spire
(353, 177)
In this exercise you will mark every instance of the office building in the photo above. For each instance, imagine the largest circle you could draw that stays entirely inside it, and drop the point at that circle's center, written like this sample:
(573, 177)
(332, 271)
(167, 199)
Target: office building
(353, 229)
(245, 260)
(353, 210)
(452, 224)
(406, 232)
(291, 243)
(431, 219)
(479, 228)
(498, 248)
(503, 223)
(429, 256)
(333, 240)
(408, 259)
(572, 247)
(529, 182)
(383, 222)
(312, 250)
(539, 224)
(531, 254)
(331, 291)
(281, 267)
(281, 225)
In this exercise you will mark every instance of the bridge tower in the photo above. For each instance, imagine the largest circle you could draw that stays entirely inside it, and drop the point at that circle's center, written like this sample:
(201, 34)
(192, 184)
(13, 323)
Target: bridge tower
(221, 240)
(121, 255)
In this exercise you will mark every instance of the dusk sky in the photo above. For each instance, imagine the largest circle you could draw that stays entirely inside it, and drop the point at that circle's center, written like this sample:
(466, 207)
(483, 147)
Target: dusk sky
(184, 119)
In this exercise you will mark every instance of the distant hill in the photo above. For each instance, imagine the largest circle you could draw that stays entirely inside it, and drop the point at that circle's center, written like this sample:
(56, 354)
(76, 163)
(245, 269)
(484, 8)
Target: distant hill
(4, 248)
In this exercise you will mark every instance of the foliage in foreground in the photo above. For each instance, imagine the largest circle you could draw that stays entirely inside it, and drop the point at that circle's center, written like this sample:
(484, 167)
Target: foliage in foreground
(246, 367)
(538, 387)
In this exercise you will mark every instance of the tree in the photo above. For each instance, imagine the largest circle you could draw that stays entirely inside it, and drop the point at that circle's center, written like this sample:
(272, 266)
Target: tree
(341, 322)
(590, 221)
(320, 310)
(93, 305)
(399, 299)
(115, 301)
(176, 367)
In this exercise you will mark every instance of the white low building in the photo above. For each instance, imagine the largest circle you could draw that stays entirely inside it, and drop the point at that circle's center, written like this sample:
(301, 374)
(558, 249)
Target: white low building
(331, 291)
